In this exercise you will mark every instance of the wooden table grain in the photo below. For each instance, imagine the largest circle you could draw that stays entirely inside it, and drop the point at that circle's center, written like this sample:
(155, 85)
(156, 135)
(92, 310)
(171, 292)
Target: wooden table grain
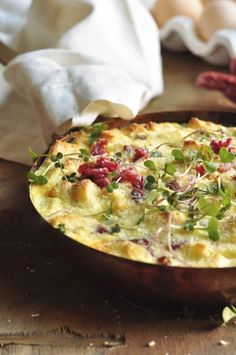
(48, 305)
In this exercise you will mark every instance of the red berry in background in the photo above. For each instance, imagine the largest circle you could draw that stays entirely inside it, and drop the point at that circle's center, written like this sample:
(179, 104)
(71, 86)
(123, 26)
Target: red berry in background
(140, 153)
(99, 147)
(233, 66)
(200, 169)
(226, 83)
(216, 145)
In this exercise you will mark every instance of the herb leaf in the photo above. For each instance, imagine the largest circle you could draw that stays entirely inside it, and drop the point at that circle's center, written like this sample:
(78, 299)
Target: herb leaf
(210, 167)
(33, 155)
(61, 228)
(113, 186)
(115, 229)
(178, 155)
(37, 179)
(170, 169)
(208, 208)
(189, 225)
(150, 164)
(212, 229)
(225, 156)
(96, 132)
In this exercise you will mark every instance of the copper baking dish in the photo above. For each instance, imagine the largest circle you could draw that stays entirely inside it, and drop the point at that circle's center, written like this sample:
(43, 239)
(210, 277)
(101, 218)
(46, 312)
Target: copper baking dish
(158, 284)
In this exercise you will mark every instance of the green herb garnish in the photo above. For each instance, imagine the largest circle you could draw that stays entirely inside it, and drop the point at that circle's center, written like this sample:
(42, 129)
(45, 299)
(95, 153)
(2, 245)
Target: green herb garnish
(178, 155)
(210, 167)
(225, 156)
(115, 229)
(33, 155)
(84, 154)
(61, 227)
(97, 129)
(37, 179)
(170, 169)
(113, 186)
(212, 229)
(150, 164)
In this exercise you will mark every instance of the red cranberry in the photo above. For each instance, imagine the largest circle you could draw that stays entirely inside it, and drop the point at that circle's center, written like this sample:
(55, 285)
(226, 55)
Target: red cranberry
(130, 175)
(99, 147)
(200, 169)
(217, 144)
(98, 171)
(142, 241)
(140, 153)
(102, 229)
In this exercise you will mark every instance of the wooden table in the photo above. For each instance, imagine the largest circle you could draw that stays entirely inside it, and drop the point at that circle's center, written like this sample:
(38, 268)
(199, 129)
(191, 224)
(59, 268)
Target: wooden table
(47, 304)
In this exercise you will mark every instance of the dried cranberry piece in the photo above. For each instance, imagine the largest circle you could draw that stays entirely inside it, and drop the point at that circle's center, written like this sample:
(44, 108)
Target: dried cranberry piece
(234, 177)
(216, 145)
(200, 169)
(99, 147)
(142, 241)
(177, 245)
(140, 153)
(98, 171)
(130, 175)
(102, 229)
(173, 185)
(102, 182)
(109, 164)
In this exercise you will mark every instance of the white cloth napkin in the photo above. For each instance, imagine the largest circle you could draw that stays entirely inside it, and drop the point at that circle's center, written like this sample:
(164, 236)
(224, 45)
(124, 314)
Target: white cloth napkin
(103, 58)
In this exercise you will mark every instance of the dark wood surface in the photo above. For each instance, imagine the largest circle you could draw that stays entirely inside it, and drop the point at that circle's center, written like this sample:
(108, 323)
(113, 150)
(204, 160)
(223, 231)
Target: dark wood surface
(48, 305)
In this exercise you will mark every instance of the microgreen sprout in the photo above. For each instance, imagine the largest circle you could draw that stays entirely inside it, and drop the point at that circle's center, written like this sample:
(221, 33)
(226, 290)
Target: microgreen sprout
(37, 179)
(97, 129)
(150, 164)
(178, 155)
(84, 154)
(33, 155)
(169, 169)
(115, 229)
(113, 186)
(61, 227)
(210, 167)
(212, 229)
(151, 183)
(225, 156)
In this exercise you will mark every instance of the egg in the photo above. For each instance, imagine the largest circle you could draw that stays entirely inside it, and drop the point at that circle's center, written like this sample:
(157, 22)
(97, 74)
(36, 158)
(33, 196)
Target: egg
(217, 15)
(163, 10)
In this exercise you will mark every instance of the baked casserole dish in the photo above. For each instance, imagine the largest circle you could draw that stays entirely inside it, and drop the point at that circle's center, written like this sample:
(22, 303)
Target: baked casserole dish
(160, 193)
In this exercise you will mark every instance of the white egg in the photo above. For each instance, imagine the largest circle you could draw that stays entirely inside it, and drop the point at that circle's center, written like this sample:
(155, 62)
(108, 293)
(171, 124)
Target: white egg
(220, 14)
(163, 10)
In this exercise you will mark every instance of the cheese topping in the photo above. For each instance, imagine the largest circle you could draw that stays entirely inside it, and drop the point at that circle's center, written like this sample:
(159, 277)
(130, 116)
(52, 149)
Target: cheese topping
(155, 192)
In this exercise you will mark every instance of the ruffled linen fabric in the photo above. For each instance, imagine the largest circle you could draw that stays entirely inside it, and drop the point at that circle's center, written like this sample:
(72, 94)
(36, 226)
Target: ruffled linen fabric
(79, 59)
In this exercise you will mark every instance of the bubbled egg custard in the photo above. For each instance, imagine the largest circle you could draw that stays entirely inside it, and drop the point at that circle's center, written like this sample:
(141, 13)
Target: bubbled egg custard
(159, 193)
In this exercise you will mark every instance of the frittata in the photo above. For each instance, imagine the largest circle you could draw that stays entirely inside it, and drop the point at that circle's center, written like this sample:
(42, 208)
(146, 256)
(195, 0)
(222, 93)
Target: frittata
(160, 193)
